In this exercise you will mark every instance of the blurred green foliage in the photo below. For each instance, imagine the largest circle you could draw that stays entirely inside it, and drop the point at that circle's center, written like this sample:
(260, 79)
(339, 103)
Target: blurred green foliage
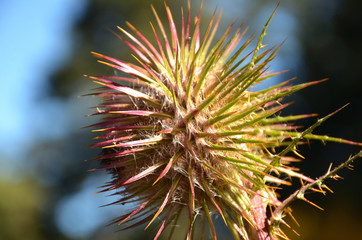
(20, 210)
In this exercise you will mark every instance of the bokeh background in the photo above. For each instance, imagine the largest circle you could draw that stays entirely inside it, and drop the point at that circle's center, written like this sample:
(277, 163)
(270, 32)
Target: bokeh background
(45, 189)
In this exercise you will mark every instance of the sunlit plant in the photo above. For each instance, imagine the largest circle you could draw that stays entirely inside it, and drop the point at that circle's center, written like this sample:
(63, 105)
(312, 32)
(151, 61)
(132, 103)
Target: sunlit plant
(185, 131)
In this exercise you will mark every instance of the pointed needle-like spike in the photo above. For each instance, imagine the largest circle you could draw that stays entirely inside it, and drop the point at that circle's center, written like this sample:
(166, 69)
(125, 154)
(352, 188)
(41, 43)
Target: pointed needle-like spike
(144, 173)
(309, 130)
(166, 200)
(312, 203)
(140, 207)
(160, 230)
(208, 217)
(175, 221)
(174, 37)
(259, 45)
(197, 28)
(213, 200)
(144, 39)
(169, 165)
(135, 49)
(164, 35)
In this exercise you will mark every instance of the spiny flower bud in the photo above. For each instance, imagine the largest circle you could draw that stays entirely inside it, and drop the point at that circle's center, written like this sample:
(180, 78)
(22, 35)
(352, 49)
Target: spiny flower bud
(185, 130)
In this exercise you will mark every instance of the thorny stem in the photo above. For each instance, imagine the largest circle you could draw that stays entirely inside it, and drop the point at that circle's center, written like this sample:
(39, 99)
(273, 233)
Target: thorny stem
(299, 194)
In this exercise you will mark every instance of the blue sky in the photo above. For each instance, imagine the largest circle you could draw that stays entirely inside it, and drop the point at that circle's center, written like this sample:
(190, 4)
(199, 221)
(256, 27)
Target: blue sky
(34, 41)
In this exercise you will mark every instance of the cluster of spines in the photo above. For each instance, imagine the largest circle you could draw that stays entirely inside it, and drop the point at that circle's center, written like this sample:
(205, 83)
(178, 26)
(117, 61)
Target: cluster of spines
(186, 129)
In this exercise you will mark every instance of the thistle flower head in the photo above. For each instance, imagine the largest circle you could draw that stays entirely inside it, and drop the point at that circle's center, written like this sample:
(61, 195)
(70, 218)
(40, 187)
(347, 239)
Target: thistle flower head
(185, 130)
